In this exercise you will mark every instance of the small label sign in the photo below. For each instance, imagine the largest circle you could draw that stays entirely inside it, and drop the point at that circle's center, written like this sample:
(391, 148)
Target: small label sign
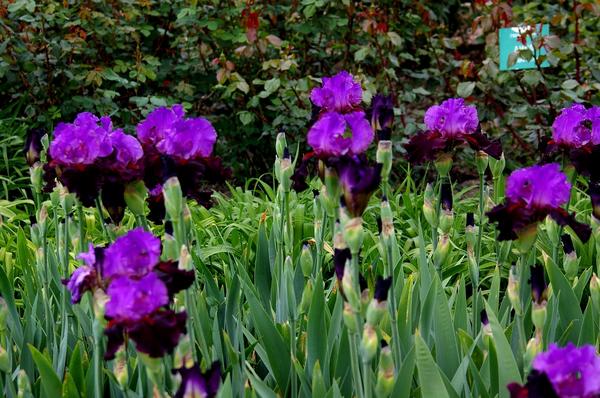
(510, 40)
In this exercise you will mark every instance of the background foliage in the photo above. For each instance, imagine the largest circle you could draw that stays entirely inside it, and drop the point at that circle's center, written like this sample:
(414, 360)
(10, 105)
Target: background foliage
(249, 65)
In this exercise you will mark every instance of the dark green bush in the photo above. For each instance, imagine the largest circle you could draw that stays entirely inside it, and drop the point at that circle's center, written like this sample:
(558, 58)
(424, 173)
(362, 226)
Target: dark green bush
(249, 66)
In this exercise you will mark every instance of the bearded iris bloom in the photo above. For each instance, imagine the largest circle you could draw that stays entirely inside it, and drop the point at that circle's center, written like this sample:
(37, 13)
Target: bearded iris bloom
(140, 289)
(532, 193)
(562, 372)
(195, 383)
(181, 147)
(90, 156)
(449, 125)
(358, 180)
(342, 127)
(382, 115)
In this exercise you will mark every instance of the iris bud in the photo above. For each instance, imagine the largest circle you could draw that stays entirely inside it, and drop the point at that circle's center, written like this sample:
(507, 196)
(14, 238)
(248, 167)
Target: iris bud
(284, 169)
(368, 344)
(595, 291)
(173, 198)
(306, 297)
(446, 220)
(513, 288)
(354, 234)
(384, 157)
(538, 315)
(280, 145)
(23, 385)
(571, 265)
(441, 251)
(534, 347)
(120, 368)
(443, 164)
(306, 260)
(4, 360)
(497, 166)
(385, 374)
(185, 260)
(135, 197)
(3, 315)
(170, 249)
(183, 357)
(482, 162)
(376, 311)
(35, 174)
(349, 290)
(428, 207)
(349, 317)
(526, 238)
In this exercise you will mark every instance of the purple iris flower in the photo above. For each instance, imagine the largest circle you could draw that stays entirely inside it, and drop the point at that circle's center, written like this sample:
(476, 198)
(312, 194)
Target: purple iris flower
(448, 125)
(566, 372)
(171, 134)
(127, 149)
(577, 126)
(195, 383)
(339, 93)
(382, 112)
(80, 142)
(33, 145)
(134, 254)
(132, 299)
(342, 127)
(358, 180)
(573, 371)
(539, 287)
(85, 278)
(532, 193)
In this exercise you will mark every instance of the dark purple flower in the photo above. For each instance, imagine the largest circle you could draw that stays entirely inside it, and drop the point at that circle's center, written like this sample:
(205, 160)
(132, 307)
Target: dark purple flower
(577, 126)
(573, 371)
(336, 134)
(449, 124)
(358, 180)
(539, 287)
(189, 139)
(80, 142)
(382, 287)
(339, 93)
(484, 318)
(33, 145)
(83, 279)
(446, 196)
(159, 124)
(171, 134)
(175, 279)
(567, 243)
(127, 149)
(452, 118)
(155, 334)
(538, 386)
(539, 186)
(131, 300)
(195, 383)
(134, 254)
(532, 194)
(382, 112)
(470, 220)
(340, 257)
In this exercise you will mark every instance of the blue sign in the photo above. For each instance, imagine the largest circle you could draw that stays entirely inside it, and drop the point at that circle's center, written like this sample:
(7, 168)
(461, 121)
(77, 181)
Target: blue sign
(518, 38)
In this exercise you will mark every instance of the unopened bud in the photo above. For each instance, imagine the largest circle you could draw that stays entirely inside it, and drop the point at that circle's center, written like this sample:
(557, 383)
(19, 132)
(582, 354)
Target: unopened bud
(135, 197)
(376, 311)
(482, 162)
(429, 208)
(446, 221)
(595, 291)
(120, 368)
(173, 198)
(23, 385)
(185, 260)
(513, 289)
(306, 260)
(352, 296)
(443, 164)
(385, 374)
(3, 315)
(354, 234)
(280, 144)
(306, 297)
(368, 344)
(538, 315)
(35, 173)
(441, 251)
(384, 157)
(350, 317)
(534, 347)
(497, 166)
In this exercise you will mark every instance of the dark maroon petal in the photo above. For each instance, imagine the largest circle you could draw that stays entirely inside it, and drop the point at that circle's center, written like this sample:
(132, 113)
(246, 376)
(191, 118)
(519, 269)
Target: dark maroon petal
(158, 334)
(583, 231)
(83, 181)
(538, 284)
(470, 220)
(539, 386)
(156, 205)
(302, 172)
(594, 192)
(340, 256)
(512, 218)
(567, 243)
(114, 332)
(517, 391)
(424, 147)
(446, 196)
(113, 200)
(586, 161)
(33, 145)
(480, 142)
(359, 180)
(174, 278)
(382, 287)
(381, 113)
(484, 318)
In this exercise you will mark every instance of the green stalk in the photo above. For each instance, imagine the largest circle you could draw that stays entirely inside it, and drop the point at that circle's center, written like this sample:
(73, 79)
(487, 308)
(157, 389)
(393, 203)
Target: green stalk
(475, 273)
(367, 379)
(293, 355)
(359, 381)
(389, 271)
(97, 330)
(81, 220)
(105, 231)
(354, 367)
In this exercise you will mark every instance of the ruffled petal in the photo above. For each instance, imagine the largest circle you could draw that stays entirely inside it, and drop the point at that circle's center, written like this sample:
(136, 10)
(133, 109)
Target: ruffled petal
(362, 133)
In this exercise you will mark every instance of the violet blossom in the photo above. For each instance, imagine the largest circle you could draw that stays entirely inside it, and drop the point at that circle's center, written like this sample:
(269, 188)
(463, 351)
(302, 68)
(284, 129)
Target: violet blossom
(358, 180)
(134, 254)
(195, 383)
(532, 193)
(450, 124)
